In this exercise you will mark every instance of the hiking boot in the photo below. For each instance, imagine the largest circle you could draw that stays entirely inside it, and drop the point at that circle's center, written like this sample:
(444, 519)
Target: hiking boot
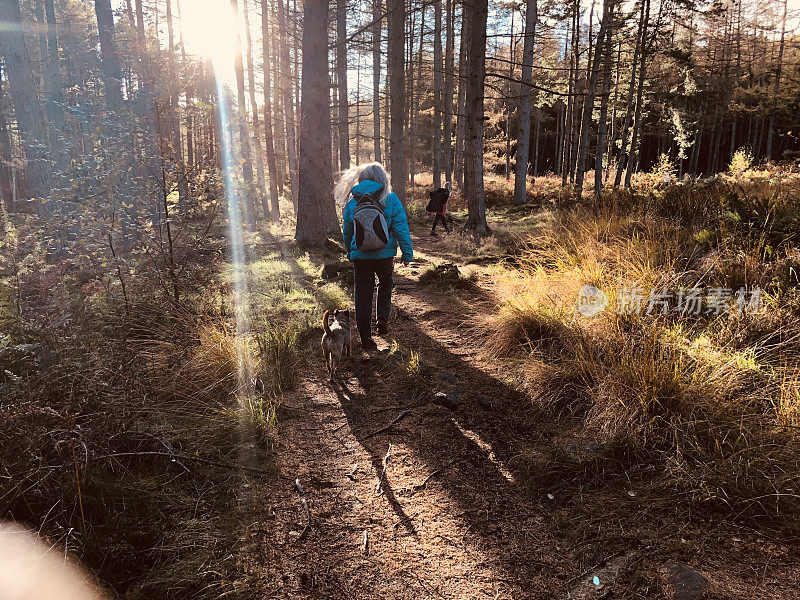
(369, 345)
(434, 234)
(383, 326)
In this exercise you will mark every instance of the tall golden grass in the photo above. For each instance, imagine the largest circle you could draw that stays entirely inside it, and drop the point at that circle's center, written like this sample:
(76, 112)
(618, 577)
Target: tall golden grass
(712, 399)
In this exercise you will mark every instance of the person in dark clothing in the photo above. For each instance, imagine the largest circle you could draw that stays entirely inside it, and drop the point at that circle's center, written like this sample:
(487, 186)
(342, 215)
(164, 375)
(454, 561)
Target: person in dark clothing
(372, 180)
(438, 207)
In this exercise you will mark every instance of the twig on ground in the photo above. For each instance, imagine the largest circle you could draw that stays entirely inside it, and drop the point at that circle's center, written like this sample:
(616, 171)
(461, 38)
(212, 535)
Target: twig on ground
(418, 487)
(383, 470)
(382, 429)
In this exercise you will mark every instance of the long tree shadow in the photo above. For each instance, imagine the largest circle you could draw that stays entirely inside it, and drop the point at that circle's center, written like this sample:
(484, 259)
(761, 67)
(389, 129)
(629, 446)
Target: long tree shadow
(469, 455)
(466, 452)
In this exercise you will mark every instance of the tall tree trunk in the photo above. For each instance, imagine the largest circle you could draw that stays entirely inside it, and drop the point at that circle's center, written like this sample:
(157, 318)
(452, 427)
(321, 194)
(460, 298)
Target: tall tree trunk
(341, 75)
(288, 98)
(55, 90)
(777, 84)
(272, 167)
(6, 182)
(386, 114)
(437, 94)
(637, 117)
(415, 99)
(447, 130)
(536, 143)
(376, 79)
(251, 88)
(244, 131)
(109, 60)
(22, 87)
(507, 99)
(588, 105)
(477, 12)
(461, 128)
(602, 125)
(175, 123)
(51, 80)
(316, 212)
(569, 116)
(622, 161)
(396, 21)
(524, 114)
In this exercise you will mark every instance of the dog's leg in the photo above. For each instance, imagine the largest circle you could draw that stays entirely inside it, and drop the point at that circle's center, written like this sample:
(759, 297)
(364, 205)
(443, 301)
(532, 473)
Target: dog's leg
(327, 354)
(334, 364)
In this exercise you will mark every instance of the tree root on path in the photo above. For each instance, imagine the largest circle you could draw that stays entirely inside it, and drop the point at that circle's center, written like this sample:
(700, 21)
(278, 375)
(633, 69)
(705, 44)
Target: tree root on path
(402, 415)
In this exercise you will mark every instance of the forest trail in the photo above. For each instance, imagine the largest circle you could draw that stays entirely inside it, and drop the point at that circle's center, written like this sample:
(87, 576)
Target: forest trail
(447, 520)
(474, 502)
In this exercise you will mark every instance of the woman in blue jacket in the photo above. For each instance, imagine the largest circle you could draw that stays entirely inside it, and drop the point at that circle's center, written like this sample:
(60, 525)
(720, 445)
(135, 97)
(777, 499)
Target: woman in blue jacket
(373, 181)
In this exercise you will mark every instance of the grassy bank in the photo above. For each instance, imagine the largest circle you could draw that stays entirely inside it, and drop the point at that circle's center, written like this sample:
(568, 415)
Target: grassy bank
(130, 440)
(702, 406)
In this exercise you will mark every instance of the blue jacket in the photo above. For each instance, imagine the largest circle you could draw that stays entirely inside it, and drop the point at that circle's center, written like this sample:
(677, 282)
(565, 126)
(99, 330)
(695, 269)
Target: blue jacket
(396, 221)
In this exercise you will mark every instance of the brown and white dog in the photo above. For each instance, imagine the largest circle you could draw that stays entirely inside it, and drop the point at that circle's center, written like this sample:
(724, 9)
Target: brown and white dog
(336, 339)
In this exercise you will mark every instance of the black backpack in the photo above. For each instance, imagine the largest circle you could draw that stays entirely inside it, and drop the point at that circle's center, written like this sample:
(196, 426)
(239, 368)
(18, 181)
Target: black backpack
(438, 199)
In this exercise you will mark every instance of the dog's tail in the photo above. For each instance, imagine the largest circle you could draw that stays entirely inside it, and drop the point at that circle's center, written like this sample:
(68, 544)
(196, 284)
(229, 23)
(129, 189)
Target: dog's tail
(325, 325)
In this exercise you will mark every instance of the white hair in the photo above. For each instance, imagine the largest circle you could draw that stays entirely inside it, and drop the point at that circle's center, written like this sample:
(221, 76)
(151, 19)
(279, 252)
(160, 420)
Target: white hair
(371, 171)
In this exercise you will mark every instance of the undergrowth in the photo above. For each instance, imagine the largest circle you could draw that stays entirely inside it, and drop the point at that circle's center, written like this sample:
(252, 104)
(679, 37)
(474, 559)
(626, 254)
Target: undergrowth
(707, 401)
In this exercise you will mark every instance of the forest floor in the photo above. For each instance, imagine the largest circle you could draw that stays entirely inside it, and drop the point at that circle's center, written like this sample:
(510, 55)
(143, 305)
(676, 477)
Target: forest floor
(606, 458)
(416, 467)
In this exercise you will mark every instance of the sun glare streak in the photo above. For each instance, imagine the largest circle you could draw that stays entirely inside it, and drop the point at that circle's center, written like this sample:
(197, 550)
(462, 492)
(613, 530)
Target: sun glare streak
(209, 30)
(235, 240)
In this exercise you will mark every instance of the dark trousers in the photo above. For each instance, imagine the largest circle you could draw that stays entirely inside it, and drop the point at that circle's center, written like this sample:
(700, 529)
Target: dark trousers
(436, 219)
(365, 272)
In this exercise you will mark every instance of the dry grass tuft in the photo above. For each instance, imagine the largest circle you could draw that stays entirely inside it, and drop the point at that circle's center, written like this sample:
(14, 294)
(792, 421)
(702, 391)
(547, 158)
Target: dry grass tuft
(709, 401)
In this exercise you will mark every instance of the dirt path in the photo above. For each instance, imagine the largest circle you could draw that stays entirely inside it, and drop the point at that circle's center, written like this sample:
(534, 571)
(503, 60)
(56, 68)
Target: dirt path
(449, 519)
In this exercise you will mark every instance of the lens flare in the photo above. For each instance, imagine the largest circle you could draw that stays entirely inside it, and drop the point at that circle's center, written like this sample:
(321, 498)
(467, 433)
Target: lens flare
(235, 240)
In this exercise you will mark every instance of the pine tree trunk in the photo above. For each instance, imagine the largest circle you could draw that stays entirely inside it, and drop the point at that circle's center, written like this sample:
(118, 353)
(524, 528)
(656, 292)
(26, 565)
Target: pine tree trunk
(588, 105)
(251, 88)
(569, 120)
(447, 130)
(6, 182)
(109, 60)
(316, 212)
(174, 117)
(536, 144)
(272, 167)
(477, 12)
(376, 79)
(602, 125)
(777, 85)
(461, 128)
(415, 100)
(622, 161)
(22, 87)
(244, 133)
(436, 146)
(524, 114)
(288, 98)
(55, 91)
(396, 20)
(386, 113)
(341, 75)
(633, 159)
